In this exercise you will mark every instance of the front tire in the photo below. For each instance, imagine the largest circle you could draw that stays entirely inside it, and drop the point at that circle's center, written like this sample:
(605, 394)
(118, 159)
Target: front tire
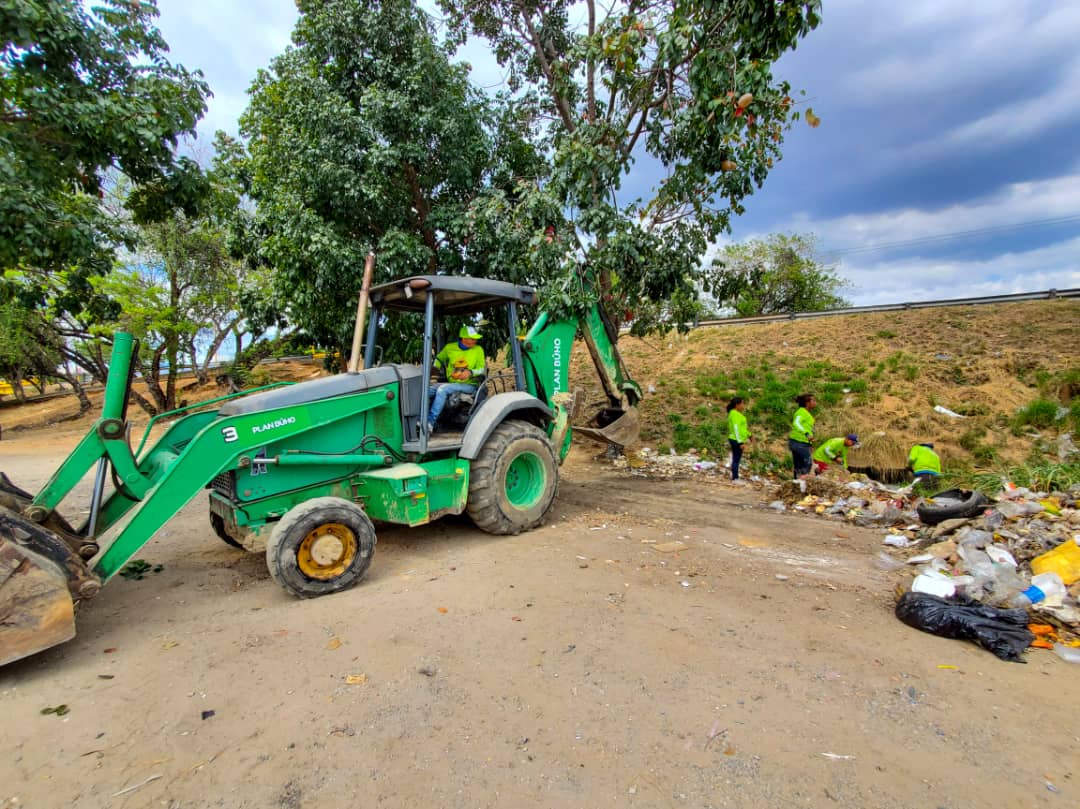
(319, 547)
(514, 479)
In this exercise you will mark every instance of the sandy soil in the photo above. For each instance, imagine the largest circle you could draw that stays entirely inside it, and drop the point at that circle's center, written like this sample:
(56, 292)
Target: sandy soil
(574, 666)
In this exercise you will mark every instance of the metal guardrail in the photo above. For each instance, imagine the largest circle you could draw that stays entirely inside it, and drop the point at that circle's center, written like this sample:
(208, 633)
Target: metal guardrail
(896, 307)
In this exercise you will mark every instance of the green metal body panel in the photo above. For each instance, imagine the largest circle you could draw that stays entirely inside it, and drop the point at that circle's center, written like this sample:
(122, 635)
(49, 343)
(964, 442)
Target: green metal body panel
(228, 443)
(406, 493)
(547, 349)
(415, 493)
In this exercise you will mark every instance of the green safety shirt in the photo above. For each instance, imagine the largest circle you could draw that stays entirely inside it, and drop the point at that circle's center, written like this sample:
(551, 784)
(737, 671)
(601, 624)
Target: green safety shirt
(831, 450)
(802, 426)
(924, 459)
(474, 358)
(737, 429)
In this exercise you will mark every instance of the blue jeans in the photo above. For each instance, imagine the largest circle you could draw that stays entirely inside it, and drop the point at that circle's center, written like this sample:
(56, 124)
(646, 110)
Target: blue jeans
(736, 457)
(800, 456)
(438, 394)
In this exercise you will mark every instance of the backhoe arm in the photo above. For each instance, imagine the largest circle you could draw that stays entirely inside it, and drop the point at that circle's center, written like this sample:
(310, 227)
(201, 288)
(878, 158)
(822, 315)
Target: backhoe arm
(547, 350)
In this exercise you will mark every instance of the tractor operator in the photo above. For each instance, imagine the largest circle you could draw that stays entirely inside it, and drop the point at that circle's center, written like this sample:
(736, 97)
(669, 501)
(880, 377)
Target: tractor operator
(464, 363)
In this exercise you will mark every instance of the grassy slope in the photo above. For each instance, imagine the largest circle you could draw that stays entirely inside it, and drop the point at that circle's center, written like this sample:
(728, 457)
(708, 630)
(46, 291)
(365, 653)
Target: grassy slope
(984, 361)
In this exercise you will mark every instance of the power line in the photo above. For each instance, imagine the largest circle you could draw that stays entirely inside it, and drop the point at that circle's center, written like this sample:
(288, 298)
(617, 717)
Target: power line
(962, 234)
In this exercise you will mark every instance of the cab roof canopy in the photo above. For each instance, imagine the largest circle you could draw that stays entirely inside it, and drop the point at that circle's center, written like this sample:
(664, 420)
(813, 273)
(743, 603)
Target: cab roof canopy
(454, 294)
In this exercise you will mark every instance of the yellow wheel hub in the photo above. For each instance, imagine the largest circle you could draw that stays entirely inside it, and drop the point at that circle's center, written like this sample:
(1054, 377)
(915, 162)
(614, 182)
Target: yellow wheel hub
(326, 552)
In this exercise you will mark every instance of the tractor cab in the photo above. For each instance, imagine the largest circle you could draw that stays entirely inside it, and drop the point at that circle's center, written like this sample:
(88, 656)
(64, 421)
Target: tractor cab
(421, 315)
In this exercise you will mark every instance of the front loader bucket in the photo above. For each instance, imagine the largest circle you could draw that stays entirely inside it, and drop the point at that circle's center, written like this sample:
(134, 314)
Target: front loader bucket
(614, 426)
(41, 580)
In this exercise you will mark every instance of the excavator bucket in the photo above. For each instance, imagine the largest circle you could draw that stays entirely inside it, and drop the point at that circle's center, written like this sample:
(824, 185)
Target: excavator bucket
(613, 426)
(41, 580)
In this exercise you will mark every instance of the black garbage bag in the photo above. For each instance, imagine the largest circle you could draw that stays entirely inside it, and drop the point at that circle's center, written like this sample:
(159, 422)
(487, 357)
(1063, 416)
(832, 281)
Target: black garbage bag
(1003, 632)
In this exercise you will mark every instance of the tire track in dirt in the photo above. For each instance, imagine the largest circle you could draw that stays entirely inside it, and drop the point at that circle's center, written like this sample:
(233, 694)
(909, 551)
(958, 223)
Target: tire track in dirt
(735, 524)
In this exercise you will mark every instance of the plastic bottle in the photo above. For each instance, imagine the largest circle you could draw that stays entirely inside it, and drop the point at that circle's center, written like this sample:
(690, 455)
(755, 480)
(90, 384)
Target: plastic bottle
(1044, 587)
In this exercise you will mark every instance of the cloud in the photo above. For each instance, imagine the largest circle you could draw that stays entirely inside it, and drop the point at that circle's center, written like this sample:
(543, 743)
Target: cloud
(1000, 259)
(899, 281)
(1053, 198)
(229, 41)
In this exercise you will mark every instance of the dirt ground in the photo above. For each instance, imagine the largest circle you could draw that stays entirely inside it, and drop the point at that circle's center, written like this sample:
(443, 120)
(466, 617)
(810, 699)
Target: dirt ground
(578, 665)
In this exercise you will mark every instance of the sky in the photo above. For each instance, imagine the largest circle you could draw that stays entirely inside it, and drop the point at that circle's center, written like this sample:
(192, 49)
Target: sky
(946, 164)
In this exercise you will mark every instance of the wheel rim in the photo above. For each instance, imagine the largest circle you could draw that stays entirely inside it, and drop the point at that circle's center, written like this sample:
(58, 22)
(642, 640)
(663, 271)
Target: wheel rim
(327, 551)
(525, 479)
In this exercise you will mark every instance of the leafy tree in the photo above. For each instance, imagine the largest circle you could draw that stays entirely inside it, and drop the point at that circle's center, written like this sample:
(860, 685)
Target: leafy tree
(363, 136)
(183, 293)
(32, 344)
(679, 83)
(776, 275)
(80, 92)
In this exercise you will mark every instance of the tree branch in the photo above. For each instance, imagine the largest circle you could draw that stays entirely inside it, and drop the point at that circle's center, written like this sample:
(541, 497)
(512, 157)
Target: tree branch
(545, 65)
(590, 66)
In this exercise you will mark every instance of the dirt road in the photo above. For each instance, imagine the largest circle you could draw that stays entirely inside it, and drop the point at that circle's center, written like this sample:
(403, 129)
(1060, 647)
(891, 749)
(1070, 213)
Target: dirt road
(579, 665)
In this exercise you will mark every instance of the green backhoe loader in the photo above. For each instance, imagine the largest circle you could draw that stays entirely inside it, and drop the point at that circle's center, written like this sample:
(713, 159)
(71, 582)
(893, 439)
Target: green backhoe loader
(299, 472)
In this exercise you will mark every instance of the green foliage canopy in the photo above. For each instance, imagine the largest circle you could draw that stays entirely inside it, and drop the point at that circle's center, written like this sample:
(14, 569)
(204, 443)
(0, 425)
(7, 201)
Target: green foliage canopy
(776, 275)
(364, 136)
(82, 92)
(685, 84)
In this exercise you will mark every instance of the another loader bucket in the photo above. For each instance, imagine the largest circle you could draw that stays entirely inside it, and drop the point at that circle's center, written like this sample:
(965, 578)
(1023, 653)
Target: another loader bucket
(40, 580)
(614, 426)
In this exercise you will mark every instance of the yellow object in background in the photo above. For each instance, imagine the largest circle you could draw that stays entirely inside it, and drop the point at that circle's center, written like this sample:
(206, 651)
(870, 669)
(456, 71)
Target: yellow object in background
(1063, 560)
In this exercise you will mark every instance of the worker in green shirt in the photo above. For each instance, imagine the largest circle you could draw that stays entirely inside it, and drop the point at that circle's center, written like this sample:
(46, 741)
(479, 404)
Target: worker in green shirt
(738, 432)
(924, 463)
(464, 363)
(834, 451)
(800, 441)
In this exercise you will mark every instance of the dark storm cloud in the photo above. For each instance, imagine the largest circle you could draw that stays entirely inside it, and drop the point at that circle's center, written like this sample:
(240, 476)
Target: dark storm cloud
(938, 117)
(927, 104)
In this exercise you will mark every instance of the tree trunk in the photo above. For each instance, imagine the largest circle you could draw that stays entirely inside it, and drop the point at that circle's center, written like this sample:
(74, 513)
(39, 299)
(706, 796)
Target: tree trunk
(151, 373)
(172, 348)
(199, 370)
(203, 371)
(144, 403)
(80, 391)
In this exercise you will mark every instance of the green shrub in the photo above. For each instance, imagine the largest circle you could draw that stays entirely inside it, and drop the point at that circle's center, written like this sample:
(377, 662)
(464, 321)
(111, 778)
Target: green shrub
(1040, 413)
(972, 409)
(885, 334)
(972, 438)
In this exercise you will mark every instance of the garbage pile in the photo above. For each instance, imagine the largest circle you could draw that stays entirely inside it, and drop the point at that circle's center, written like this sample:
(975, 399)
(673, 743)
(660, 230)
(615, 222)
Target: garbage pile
(646, 462)
(990, 571)
(1017, 556)
(860, 501)
(993, 556)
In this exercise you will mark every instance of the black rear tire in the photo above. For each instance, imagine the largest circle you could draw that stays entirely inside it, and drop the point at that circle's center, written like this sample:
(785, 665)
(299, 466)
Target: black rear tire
(319, 547)
(514, 479)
